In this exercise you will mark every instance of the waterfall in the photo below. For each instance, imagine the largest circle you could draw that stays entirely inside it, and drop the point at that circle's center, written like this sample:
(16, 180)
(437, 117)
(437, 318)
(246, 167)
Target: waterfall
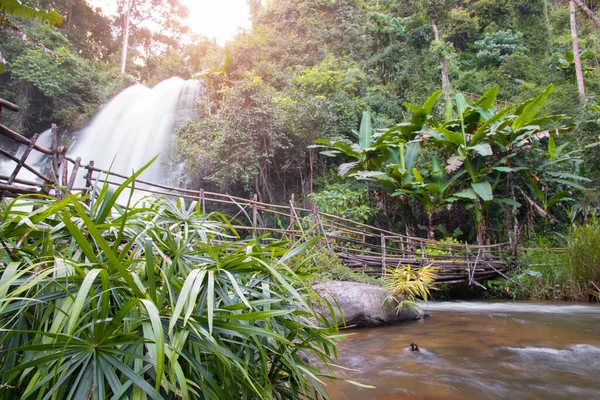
(137, 125)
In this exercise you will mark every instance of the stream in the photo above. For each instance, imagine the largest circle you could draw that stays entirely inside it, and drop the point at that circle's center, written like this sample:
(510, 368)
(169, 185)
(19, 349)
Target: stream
(477, 350)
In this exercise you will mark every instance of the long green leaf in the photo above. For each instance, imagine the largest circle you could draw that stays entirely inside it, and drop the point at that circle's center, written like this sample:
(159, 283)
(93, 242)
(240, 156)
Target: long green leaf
(532, 109)
(159, 340)
(483, 190)
(366, 131)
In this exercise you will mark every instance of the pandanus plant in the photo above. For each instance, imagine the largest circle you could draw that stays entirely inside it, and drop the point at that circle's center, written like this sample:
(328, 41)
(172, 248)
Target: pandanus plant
(150, 301)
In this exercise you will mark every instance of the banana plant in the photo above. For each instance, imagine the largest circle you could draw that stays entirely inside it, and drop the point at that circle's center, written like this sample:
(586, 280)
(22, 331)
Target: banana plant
(372, 151)
(488, 144)
(366, 153)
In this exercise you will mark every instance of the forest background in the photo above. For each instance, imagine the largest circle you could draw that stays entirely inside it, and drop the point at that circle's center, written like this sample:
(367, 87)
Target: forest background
(307, 70)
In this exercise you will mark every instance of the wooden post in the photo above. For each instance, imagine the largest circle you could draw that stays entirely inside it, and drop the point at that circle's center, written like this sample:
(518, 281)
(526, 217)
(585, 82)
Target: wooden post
(329, 247)
(364, 240)
(402, 246)
(88, 182)
(293, 210)
(21, 162)
(202, 202)
(54, 148)
(383, 254)
(64, 165)
(467, 259)
(254, 214)
(291, 229)
(73, 173)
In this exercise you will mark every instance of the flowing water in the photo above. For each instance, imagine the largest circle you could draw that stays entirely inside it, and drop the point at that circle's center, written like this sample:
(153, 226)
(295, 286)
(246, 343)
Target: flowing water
(136, 126)
(478, 350)
(130, 130)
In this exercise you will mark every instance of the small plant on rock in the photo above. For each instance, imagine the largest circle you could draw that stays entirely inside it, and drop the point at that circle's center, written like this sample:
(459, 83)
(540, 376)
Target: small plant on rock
(407, 284)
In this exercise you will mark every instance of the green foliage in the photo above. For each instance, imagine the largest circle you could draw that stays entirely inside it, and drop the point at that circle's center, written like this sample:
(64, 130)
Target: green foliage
(584, 257)
(104, 300)
(563, 268)
(494, 48)
(441, 250)
(346, 201)
(319, 265)
(16, 8)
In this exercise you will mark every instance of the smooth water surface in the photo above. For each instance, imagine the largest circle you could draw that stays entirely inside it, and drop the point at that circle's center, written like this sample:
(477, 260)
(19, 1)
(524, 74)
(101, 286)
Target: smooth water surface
(477, 350)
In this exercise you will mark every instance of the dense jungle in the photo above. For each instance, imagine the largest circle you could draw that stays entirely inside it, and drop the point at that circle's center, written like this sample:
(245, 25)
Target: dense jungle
(454, 122)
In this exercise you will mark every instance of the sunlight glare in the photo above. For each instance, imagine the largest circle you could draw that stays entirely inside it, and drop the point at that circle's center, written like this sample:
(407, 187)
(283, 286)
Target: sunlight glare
(219, 19)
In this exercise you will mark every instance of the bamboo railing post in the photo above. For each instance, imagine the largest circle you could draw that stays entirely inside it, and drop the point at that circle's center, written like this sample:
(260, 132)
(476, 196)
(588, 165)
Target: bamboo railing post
(88, 182)
(467, 258)
(21, 162)
(202, 201)
(254, 214)
(73, 174)
(383, 254)
(317, 215)
(54, 148)
(293, 210)
(291, 233)
(63, 165)
(364, 240)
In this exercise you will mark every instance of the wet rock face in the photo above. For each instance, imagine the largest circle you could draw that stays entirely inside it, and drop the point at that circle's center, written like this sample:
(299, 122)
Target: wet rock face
(362, 305)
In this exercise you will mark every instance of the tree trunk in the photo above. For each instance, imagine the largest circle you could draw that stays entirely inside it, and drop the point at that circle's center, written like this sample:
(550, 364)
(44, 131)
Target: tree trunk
(129, 4)
(442, 60)
(546, 12)
(589, 12)
(482, 232)
(70, 12)
(431, 231)
(577, 59)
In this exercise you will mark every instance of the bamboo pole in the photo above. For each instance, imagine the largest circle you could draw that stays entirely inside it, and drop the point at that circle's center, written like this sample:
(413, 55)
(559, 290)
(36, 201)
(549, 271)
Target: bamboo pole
(8, 105)
(21, 139)
(27, 167)
(202, 202)
(383, 254)
(291, 226)
(293, 209)
(73, 174)
(23, 159)
(63, 165)
(254, 215)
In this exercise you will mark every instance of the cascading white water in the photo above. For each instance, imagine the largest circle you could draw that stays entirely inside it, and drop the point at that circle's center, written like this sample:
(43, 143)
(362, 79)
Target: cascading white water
(137, 125)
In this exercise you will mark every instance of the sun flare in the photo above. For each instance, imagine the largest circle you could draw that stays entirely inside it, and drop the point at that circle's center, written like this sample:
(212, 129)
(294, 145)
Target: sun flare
(219, 19)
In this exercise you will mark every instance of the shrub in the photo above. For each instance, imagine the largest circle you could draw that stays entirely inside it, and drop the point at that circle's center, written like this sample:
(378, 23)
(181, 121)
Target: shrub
(324, 266)
(495, 47)
(584, 257)
(346, 201)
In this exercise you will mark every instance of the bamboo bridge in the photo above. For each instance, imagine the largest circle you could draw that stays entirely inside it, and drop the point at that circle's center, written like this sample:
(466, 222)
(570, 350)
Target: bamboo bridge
(364, 248)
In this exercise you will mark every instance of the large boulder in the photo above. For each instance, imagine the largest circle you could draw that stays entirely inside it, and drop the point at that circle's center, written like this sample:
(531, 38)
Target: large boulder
(363, 305)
